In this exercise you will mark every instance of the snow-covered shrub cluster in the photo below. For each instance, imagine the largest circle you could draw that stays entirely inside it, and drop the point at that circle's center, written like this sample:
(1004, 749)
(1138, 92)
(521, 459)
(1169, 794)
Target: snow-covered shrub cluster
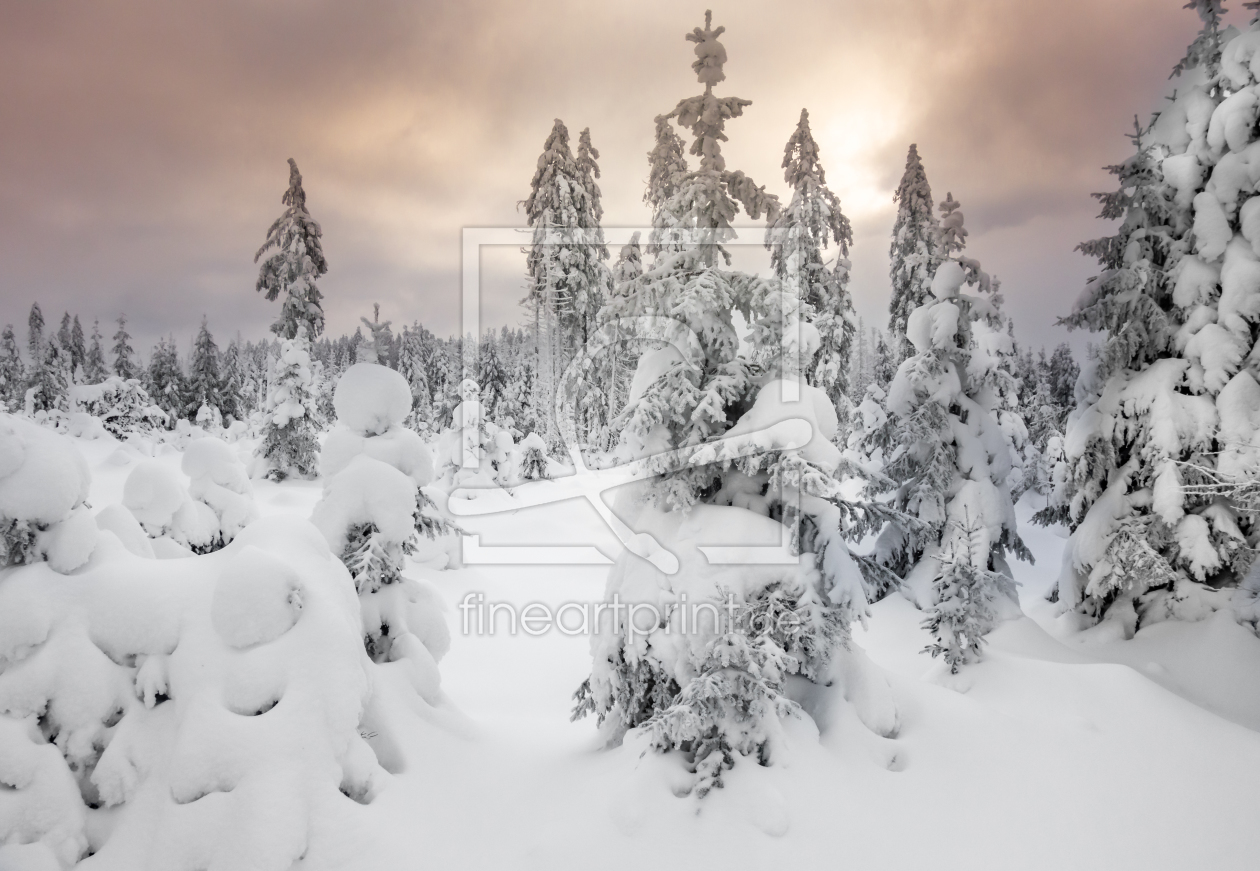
(374, 513)
(122, 406)
(197, 714)
(500, 460)
(43, 494)
(198, 517)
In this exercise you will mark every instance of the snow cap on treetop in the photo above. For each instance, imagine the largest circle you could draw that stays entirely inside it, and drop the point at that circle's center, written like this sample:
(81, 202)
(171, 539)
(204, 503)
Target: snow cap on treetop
(710, 54)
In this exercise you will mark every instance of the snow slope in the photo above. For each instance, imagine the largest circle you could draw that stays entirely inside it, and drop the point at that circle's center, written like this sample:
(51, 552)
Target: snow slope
(1061, 749)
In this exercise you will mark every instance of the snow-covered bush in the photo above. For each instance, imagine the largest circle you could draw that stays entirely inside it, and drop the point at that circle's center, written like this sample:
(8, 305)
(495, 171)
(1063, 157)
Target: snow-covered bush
(43, 492)
(155, 494)
(218, 480)
(122, 406)
(203, 713)
(372, 403)
(532, 462)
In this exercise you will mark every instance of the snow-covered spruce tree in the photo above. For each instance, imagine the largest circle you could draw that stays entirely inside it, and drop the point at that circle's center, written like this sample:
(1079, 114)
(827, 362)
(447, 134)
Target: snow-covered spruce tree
(948, 456)
(714, 692)
(46, 381)
(76, 344)
(289, 443)
(12, 372)
(1171, 402)
(49, 383)
(411, 365)
(913, 255)
(374, 513)
(94, 369)
(568, 280)
(35, 334)
(292, 268)
(289, 446)
(165, 382)
(205, 381)
(232, 388)
(122, 407)
(797, 239)
(125, 365)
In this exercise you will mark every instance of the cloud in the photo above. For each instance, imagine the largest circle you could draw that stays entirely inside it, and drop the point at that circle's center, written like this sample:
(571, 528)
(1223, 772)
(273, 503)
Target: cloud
(145, 145)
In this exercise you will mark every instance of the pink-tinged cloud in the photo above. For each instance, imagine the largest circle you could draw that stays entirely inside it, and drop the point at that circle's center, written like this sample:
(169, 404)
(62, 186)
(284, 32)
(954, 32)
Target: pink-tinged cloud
(144, 143)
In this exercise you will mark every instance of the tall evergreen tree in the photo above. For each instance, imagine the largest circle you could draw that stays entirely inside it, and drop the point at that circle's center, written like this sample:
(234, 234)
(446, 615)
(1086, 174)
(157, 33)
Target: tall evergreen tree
(12, 372)
(124, 355)
(78, 347)
(913, 255)
(716, 698)
(1169, 405)
(231, 394)
(94, 369)
(35, 336)
(568, 280)
(292, 268)
(289, 445)
(205, 381)
(812, 221)
(165, 380)
(411, 366)
(949, 459)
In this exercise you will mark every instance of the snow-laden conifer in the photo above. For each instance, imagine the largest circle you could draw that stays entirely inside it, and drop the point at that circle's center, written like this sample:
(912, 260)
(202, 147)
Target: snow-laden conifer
(165, 381)
(12, 371)
(94, 368)
(205, 381)
(948, 454)
(796, 239)
(1171, 402)
(913, 254)
(124, 365)
(296, 261)
(568, 280)
(715, 693)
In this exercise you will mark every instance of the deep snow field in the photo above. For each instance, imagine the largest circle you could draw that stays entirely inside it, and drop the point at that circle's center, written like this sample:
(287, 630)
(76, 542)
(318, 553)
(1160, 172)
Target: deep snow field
(1061, 750)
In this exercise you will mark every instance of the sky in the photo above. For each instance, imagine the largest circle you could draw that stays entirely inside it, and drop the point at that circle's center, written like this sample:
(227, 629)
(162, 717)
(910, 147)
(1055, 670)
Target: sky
(143, 145)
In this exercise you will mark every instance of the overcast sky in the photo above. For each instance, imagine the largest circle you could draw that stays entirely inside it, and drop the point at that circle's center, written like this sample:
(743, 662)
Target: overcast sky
(143, 144)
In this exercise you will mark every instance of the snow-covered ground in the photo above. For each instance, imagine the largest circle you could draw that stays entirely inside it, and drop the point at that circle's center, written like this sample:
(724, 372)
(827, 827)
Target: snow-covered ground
(1059, 750)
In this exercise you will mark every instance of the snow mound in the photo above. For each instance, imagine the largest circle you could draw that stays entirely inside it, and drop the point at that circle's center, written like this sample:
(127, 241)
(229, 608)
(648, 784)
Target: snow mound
(256, 599)
(366, 491)
(130, 688)
(44, 484)
(42, 475)
(369, 399)
(219, 481)
(154, 493)
(398, 447)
